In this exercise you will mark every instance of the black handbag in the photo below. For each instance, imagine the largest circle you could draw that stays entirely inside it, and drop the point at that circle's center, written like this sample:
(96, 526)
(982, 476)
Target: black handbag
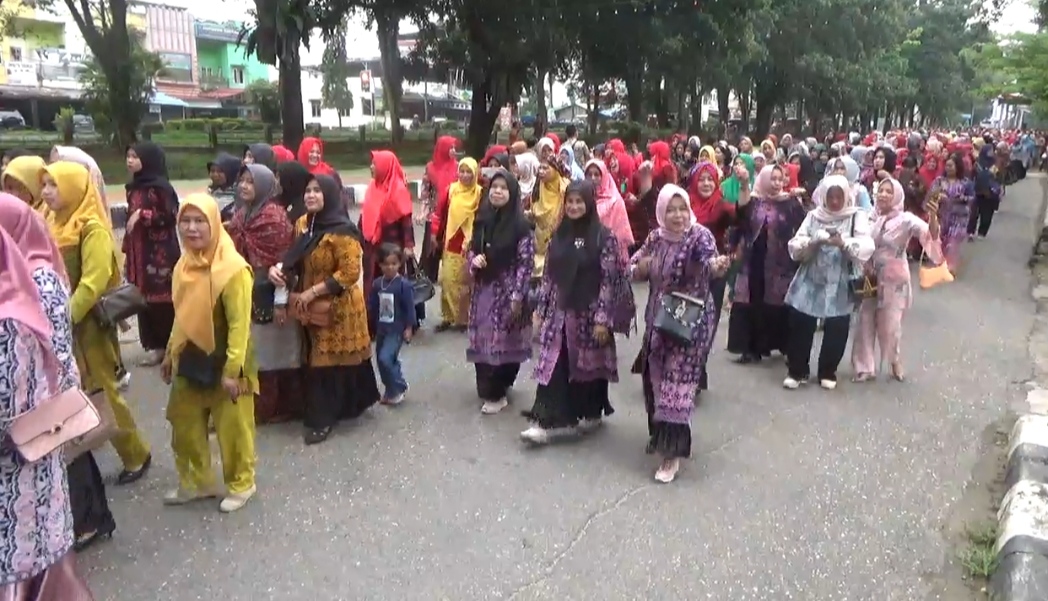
(422, 288)
(677, 315)
(200, 369)
(118, 304)
(862, 286)
(263, 295)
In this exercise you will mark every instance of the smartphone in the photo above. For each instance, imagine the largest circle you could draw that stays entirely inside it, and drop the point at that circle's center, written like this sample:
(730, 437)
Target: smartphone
(832, 231)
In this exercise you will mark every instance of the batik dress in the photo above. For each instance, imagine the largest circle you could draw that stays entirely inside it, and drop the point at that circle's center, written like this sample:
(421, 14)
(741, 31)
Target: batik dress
(955, 198)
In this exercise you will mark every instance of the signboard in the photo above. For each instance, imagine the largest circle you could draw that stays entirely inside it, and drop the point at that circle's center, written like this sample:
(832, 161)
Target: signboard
(228, 31)
(22, 73)
(177, 67)
(365, 81)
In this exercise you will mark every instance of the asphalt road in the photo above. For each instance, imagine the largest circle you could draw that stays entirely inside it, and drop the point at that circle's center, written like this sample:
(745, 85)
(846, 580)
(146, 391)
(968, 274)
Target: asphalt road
(806, 495)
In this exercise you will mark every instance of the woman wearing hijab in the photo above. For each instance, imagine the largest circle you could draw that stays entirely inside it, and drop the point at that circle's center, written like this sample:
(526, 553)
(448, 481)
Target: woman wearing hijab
(293, 178)
(987, 194)
(222, 174)
(640, 209)
(714, 213)
(494, 151)
(844, 165)
(545, 211)
(501, 259)
(22, 179)
(610, 207)
(385, 216)
(952, 196)
(768, 218)
(568, 165)
(769, 152)
(679, 257)
(582, 154)
(283, 154)
(452, 229)
(880, 318)
(36, 364)
(212, 291)
(151, 244)
(526, 169)
(576, 301)
(325, 264)
(80, 227)
(92, 519)
(260, 154)
(830, 245)
(261, 233)
(663, 171)
(76, 155)
(884, 164)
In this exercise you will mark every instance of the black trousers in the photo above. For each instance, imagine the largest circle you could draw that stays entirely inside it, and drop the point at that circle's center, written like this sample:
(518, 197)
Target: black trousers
(982, 216)
(802, 335)
(494, 380)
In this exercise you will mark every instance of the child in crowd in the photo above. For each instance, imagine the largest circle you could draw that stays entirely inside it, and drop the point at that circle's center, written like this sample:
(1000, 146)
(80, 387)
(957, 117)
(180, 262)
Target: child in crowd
(391, 306)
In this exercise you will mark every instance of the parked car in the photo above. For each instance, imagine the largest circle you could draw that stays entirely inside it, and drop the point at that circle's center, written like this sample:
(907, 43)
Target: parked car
(12, 120)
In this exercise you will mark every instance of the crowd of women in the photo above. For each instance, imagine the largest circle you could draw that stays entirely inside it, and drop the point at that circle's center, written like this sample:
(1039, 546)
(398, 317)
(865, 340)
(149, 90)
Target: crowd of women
(256, 291)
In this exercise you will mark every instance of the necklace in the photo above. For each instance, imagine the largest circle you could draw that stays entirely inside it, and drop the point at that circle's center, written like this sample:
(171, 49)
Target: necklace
(383, 285)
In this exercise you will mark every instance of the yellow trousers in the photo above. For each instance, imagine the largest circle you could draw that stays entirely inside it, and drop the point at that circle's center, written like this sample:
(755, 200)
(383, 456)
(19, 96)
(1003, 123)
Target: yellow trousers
(188, 411)
(98, 358)
(454, 289)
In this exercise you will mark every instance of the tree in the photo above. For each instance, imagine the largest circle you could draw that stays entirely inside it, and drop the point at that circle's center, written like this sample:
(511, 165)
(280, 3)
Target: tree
(282, 27)
(334, 71)
(264, 97)
(101, 98)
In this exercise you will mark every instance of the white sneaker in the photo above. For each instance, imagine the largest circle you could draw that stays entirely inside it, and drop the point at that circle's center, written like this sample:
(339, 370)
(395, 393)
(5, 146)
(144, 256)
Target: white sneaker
(589, 425)
(181, 496)
(235, 501)
(124, 382)
(535, 435)
(828, 384)
(791, 384)
(493, 407)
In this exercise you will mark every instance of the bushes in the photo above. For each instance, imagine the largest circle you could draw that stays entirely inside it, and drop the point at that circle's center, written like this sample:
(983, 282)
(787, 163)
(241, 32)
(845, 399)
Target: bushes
(219, 124)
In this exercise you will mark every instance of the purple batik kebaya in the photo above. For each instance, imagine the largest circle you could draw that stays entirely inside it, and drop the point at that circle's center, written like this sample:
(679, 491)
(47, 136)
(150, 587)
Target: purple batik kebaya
(495, 337)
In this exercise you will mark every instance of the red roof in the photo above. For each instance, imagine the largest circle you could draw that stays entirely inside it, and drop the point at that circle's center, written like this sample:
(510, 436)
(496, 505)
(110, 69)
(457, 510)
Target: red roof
(194, 92)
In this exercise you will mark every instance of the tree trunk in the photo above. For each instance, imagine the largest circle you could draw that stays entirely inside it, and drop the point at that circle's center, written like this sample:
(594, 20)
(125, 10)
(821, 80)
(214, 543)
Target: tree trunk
(723, 109)
(594, 109)
(635, 95)
(541, 110)
(765, 97)
(291, 111)
(388, 26)
(483, 113)
(695, 108)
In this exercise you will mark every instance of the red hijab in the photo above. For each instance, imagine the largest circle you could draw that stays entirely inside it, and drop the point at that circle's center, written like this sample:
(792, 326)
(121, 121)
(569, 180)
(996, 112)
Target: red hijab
(793, 176)
(442, 169)
(387, 199)
(282, 154)
(556, 141)
(321, 168)
(929, 172)
(707, 209)
(490, 154)
(663, 169)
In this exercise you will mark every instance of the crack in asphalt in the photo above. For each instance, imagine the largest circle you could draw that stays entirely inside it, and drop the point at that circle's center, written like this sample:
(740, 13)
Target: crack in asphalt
(551, 565)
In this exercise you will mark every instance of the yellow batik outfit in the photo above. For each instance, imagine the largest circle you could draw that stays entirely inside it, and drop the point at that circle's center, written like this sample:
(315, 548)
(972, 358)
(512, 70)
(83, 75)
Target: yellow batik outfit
(546, 213)
(211, 291)
(81, 228)
(463, 202)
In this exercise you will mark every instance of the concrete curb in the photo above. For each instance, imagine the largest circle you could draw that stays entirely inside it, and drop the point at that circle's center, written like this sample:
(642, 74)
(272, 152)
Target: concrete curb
(1022, 540)
(355, 192)
(1022, 533)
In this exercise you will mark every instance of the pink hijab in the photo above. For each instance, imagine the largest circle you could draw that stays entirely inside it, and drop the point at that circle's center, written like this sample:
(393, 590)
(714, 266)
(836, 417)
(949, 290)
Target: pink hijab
(762, 187)
(610, 207)
(31, 235)
(19, 297)
(666, 194)
(881, 220)
(76, 155)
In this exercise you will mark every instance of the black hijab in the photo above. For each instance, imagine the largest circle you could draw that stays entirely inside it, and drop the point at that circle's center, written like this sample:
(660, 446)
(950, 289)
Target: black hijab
(889, 159)
(293, 177)
(573, 259)
(332, 218)
(502, 158)
(498, 230)
(153, 173)
(229, 165)
(262, 154)
(808, 177)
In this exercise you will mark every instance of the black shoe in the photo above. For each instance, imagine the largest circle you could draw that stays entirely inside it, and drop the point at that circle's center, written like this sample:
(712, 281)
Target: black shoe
(317, 436)
(84, 543)
(747, 358)
(128, 477)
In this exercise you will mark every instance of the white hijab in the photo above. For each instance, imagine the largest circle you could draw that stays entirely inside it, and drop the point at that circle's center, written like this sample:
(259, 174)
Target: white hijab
(822, 213)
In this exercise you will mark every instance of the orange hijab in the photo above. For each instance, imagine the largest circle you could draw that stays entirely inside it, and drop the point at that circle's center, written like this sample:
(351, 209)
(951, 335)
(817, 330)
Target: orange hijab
(387, 199)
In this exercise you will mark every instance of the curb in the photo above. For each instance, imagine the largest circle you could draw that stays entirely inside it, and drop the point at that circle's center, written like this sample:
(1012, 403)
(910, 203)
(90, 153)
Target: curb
(354, 192)
(1022, 540)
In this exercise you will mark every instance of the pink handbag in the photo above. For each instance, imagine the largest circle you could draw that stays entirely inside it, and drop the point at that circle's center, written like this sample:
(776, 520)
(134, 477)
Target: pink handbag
(66, 418)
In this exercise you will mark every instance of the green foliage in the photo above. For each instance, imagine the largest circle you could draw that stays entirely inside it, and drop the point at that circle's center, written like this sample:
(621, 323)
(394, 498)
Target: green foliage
(334, 71)
(264, 96)
(110, 107)
(1019, 64)
(64, 118)
(222, 124)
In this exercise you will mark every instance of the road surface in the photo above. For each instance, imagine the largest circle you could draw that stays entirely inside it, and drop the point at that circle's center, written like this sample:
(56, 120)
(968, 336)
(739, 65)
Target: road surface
(808, 495)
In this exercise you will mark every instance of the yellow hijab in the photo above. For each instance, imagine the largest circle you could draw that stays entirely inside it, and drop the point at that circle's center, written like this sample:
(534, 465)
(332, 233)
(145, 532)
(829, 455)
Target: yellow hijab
(26, 171)
(199, 278)
(708, 151)
(78, 203)
(463, 202)
(550, 197)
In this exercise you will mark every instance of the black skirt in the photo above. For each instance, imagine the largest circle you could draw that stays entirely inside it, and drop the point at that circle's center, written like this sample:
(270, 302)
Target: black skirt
(154, 325)
(758, 329)
(562, 403)
(87, 497)
(339, 392)
(494, 381)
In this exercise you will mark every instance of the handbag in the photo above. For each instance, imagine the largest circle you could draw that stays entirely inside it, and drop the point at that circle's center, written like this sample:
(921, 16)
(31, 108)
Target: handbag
(263, 296)
(60, 581)
(200, 369)
(52, 424)
(98, 437)
(677, 315)
(422, 288)
(931, 277)
(861, 286)
(118, 304)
